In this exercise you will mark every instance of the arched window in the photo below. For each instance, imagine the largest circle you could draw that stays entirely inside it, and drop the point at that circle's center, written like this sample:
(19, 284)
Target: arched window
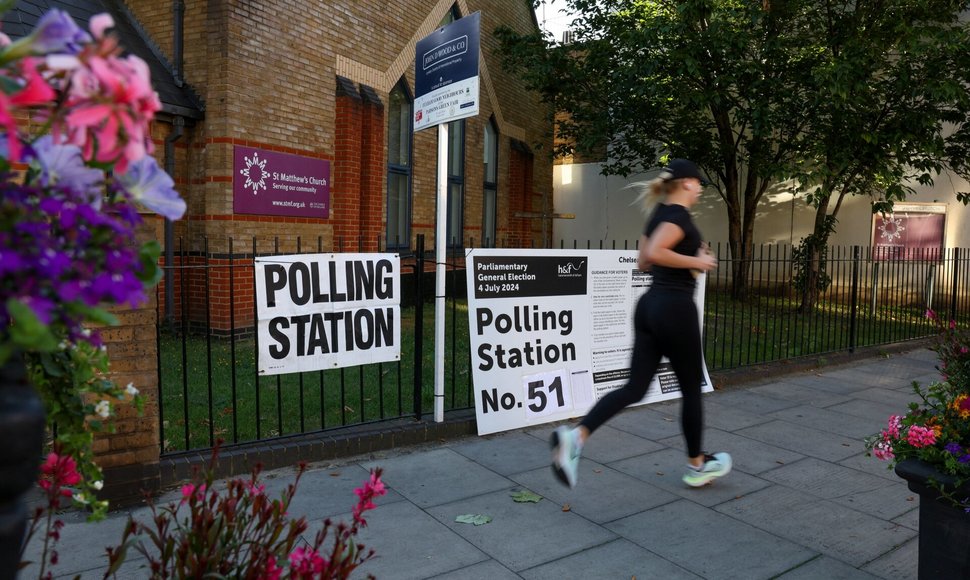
(399, 138)
(490, 189)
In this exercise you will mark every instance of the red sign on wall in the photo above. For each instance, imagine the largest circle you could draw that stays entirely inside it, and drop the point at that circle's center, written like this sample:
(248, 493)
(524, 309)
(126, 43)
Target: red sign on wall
(271, 183)
(911, 232)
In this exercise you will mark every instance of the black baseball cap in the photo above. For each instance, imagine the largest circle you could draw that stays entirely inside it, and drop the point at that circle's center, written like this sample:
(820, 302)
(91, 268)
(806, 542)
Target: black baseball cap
(680, 169)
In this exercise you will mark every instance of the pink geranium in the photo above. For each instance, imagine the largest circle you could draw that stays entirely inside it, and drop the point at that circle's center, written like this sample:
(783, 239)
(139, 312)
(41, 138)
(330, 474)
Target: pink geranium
(920, 436)
(110, 102)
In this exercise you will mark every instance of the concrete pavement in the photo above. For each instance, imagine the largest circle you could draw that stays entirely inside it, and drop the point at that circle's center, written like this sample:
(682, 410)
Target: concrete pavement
(803, 501)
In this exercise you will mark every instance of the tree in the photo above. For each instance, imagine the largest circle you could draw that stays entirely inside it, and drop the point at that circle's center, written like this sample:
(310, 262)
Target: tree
(715, 81)
(891, 110)
(845, 98)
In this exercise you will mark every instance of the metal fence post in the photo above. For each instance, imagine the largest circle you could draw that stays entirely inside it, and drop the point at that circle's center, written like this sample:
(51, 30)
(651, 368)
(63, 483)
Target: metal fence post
(853, 321)
(418, 324)
(956, 278)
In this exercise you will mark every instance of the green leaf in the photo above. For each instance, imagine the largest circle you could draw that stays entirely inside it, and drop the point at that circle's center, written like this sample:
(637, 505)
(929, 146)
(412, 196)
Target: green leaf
(27, 330)
(148, 254)
(526, 496)
(474, 519)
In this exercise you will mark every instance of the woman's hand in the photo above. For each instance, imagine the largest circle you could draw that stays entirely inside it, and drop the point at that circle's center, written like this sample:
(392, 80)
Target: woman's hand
(706, 260)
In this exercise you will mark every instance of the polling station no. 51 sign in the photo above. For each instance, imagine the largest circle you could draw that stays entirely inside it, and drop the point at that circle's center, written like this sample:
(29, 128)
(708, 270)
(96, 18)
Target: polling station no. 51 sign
(323, 311)
(551, 333)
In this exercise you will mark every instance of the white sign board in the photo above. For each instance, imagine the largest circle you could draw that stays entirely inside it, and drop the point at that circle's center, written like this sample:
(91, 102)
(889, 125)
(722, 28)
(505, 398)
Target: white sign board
(324, 311)
(551, 332)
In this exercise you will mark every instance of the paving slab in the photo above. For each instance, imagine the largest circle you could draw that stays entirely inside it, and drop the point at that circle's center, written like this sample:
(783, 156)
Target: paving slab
(649, 422)
(487, 570)
(898, 399)
(664, 469)
(899, 563)
(616, 559)
(410, 544)
(801, 394)
(506, 453)
(825, 420)
(826, 568)
(438, 476)
(753, 402)
(693, 537)
(601, 495)
(521, 535)
(829, 383)
(847, 535)
(825, 480)
(749, 455)
(870, 465)
(804, 440)
(870, 412)
(729, 417)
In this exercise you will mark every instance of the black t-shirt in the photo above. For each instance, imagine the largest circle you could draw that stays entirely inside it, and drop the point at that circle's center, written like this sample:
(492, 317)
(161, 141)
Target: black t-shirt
(674, 278)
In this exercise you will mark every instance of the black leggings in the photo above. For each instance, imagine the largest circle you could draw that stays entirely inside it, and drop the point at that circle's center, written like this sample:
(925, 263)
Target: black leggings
(666, 324)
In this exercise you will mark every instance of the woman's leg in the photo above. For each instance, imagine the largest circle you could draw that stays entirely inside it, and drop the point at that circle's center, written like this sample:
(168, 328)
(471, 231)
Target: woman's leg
(678, 325)
(568, 443)
(644, 361)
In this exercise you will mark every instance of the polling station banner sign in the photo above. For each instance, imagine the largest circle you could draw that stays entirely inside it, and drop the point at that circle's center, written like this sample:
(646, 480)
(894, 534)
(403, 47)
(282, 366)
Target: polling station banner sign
(446, 83)
(324, 311)
(551, 332)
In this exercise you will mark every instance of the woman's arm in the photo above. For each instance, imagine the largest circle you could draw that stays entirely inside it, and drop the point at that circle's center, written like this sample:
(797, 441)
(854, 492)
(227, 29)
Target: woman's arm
(658, 249)
(642, 262)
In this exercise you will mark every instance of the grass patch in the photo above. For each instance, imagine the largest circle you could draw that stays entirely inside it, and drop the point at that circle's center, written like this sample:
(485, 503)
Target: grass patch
(198, 382)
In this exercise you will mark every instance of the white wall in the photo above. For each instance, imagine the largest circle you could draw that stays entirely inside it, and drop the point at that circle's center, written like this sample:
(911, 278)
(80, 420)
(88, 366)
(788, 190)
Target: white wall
(606, 211)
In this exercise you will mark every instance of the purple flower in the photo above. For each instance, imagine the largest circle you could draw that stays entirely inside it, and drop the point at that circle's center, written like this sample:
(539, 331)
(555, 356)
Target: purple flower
(965, 458)
(147, 184)
(42, 307)
(10, 261)
(52, 263)
(57, 32)
(63, 165)
(953, 448)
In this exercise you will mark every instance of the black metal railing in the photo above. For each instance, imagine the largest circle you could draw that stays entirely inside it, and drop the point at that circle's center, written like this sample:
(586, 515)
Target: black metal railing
(210, 388)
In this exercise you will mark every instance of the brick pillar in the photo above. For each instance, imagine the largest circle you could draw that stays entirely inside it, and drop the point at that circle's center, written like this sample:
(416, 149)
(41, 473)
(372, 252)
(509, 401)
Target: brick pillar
(129, 456)
(346, 188)
(373, 169)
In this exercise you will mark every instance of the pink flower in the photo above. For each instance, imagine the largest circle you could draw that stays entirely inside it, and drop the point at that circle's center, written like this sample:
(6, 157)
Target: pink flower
(272, 572)
(920, 436)
(883, 450)
(110, 103)
(895, 422)
(930, 314)
(306, 562)
(373, 487)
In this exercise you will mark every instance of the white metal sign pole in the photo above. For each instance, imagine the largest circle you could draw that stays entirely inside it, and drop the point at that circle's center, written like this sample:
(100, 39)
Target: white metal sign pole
(440, 246)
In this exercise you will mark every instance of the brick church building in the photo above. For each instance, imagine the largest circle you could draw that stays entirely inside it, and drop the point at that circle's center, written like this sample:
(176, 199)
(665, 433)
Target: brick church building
(319, 94)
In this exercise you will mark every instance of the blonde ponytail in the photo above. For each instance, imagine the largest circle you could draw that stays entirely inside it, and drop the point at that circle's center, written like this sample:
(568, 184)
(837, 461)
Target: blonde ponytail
(649, 191)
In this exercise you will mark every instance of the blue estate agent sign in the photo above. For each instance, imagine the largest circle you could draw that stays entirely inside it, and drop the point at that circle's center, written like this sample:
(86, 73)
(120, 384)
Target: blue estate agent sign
(446, 73)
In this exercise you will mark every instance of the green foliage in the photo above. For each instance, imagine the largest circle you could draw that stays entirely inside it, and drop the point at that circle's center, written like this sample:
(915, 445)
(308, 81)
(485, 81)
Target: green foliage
(858, 98)
(810, 261)
(78, 400)
(243, 533)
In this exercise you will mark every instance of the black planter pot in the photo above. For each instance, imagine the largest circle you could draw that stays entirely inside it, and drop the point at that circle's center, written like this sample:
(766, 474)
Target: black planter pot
(22, 437)
(944, 528)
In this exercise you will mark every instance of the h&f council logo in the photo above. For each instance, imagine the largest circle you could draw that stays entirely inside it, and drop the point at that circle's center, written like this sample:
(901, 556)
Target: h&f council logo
(570, 270)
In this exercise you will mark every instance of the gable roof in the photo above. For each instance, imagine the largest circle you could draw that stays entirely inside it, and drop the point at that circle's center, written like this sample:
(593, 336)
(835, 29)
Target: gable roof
(182, 100)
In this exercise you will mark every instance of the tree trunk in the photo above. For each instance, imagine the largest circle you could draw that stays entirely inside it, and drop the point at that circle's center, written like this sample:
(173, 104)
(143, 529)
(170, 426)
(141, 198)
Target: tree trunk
(815, 245)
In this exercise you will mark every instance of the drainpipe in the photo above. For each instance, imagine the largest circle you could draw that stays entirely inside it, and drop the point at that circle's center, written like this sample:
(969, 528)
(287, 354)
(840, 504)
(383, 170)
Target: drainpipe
(178, 125)
(178, 15)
